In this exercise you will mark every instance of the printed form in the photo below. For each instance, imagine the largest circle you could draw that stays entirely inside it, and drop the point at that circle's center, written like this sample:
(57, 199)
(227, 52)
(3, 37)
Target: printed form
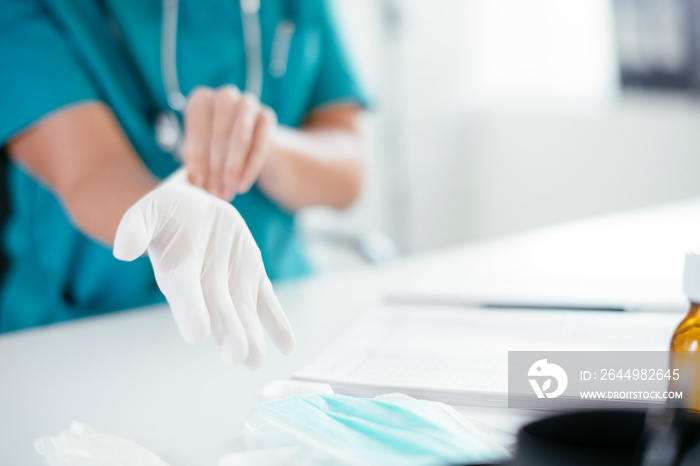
(460, 355)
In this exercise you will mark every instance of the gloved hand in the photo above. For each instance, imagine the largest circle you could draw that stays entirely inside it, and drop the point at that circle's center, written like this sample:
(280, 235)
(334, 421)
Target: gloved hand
(208, 267)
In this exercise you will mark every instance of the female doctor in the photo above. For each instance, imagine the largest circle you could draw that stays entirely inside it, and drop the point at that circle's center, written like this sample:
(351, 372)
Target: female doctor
(94, 124)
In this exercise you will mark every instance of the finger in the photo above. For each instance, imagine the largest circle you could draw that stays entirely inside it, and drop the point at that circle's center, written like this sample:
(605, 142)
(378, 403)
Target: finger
(273, 317)
(259, 149)
(245, 302)
(199, 114)
(225, 109)
(239, 145)
(225, 324)
(245, 306)
(134, 234)
(181, 287)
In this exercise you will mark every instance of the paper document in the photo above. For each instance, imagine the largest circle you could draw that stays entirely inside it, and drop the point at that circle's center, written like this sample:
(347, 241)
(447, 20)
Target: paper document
(460, 355)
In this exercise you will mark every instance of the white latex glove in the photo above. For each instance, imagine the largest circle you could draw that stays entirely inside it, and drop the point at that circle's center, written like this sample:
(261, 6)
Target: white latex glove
(208, 267)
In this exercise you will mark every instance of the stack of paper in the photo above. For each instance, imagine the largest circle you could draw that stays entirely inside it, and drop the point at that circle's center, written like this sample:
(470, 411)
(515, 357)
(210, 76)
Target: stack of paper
(460, 355)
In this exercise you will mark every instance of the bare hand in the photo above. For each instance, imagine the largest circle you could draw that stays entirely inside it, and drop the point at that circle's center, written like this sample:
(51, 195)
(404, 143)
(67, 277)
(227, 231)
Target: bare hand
(227, 139)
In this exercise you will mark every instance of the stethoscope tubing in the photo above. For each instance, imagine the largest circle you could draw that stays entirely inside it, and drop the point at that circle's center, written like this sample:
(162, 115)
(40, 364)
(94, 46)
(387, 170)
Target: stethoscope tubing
(168, 129)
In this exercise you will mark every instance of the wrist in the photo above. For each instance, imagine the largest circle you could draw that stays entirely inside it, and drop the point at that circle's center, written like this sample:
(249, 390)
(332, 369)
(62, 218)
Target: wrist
(272, 174)
(98, 202)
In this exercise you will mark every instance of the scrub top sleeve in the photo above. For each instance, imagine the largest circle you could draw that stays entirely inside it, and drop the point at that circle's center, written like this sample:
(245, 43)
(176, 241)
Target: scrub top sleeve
(40, 74)
(337, 80)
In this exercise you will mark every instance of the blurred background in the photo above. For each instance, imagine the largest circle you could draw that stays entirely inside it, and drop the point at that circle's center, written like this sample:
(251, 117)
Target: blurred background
(496, 116)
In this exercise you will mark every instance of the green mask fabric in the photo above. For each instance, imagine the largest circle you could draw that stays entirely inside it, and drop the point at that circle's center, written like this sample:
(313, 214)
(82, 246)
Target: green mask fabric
(345, 430)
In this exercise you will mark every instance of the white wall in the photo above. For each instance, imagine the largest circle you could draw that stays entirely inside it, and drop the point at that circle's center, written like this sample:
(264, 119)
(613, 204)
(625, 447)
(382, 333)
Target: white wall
(527, 169)
(494, 116)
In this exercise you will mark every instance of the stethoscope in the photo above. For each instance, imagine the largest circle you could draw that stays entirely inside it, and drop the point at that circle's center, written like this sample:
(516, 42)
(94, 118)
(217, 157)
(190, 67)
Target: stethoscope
(168, 130)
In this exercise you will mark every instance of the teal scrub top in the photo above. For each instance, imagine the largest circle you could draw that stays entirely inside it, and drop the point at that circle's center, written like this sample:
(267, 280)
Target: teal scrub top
(58, 53)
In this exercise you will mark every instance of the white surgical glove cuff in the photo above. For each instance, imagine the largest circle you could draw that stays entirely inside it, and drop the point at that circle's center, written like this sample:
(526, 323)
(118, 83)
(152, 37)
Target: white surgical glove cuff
(208, 266)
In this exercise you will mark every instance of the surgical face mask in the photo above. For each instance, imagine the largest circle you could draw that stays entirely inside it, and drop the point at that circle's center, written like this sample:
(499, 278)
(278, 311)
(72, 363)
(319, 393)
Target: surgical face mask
(344, 430)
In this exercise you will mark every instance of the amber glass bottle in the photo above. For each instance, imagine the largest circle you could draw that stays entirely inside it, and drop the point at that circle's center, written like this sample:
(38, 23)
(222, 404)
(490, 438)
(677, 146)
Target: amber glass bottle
(686, 338)
(687, 334)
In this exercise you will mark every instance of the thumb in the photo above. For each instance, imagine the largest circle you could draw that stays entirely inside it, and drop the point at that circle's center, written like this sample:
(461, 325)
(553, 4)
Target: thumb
(134, 234)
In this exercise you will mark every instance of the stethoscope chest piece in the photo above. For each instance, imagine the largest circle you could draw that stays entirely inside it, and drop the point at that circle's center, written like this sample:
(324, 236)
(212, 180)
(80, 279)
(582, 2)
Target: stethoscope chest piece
(168, 132)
